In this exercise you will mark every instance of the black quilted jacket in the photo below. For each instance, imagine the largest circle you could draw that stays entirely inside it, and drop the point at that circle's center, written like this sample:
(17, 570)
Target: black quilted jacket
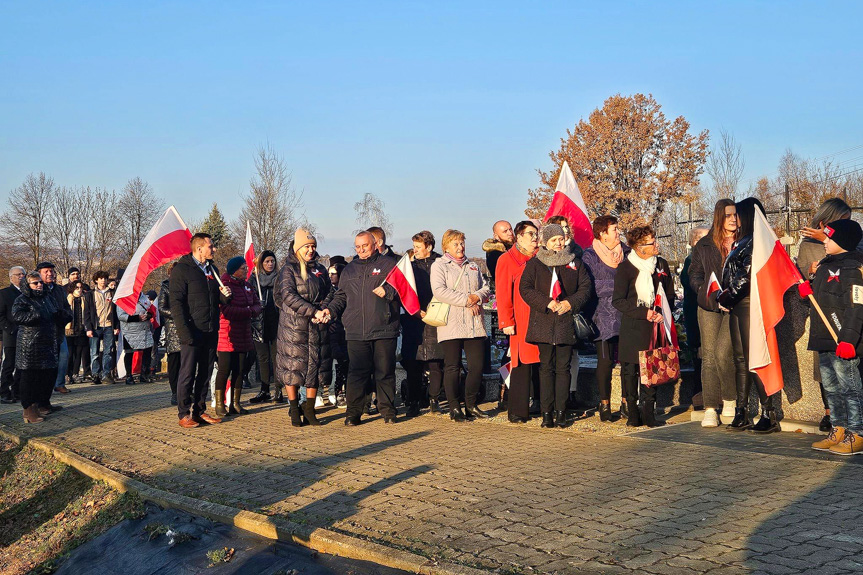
(38, 318)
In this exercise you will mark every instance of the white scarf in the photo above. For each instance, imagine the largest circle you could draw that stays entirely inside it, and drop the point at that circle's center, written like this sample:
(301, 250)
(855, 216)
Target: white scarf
(644, 281)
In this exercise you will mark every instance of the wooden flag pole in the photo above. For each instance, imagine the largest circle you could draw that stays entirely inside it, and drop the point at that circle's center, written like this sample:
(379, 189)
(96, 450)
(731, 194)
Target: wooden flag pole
(821, 313)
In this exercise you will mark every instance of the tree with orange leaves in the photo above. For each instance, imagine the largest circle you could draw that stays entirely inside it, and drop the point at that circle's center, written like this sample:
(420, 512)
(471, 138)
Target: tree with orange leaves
(628, 159)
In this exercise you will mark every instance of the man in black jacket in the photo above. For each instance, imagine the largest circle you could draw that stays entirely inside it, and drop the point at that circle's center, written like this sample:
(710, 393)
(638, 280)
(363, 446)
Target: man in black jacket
(8, 377)
(370, 315)
(195, 297)
(52, 289)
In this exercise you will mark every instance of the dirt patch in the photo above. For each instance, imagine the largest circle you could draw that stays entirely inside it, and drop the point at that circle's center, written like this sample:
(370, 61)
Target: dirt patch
(47, 509)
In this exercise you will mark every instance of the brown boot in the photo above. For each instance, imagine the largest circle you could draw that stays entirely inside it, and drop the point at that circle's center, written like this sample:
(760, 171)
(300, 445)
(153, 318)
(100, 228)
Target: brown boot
(837, 434)
(852, 444)
(219, 410)
(31, 415)
(236, 396)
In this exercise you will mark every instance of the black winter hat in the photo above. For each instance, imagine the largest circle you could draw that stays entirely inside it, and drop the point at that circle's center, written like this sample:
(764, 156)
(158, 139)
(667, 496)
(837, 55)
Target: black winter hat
(338, 260)
(45, 265)
(234, 264)
(846, 233)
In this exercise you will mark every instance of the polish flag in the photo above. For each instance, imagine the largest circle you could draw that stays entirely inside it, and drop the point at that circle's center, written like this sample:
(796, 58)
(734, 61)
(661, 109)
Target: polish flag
(555, 290)
(401, 277)
(664, 308)
(567, 202)
(772, 274)
(249, 251)
(712, 285)
(168, 239)
(504, 372)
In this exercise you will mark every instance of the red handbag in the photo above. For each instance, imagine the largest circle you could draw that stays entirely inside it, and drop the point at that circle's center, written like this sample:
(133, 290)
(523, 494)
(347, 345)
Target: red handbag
(660, 363)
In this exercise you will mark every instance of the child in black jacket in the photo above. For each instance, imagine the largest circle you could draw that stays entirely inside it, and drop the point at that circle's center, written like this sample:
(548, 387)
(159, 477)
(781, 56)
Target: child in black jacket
(838, 289)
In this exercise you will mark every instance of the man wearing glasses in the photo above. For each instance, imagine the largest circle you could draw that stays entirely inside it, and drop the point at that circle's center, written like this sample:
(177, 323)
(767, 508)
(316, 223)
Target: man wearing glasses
(8, 377)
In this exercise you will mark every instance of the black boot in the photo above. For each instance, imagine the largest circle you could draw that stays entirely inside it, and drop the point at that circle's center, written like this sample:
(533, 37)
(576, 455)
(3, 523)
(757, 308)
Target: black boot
(279, 397)
(768, 422)
(547, 420)
(477, 412)
(263, 395)
(294, 412)
(309, 411)
(604, 412)
(648, 414)
(173, 399)
(740, 421)
(434, 405)
(413, 409)
(623, 411)
(560, 419)
(633, 418)
(457, 414)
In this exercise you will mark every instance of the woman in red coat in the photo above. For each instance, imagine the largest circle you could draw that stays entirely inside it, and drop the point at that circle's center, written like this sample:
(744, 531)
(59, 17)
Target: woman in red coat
(235, 334)
(513, 315)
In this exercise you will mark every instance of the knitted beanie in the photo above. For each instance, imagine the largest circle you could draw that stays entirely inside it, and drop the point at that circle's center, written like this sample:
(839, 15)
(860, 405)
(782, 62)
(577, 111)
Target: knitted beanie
(234, 264)
(549, 231)
(846, 233)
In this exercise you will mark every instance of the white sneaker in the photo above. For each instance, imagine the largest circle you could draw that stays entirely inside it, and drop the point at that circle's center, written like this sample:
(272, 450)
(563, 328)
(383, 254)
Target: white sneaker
(332, 398)
(319, 402)
(728, 408)
(711, 419)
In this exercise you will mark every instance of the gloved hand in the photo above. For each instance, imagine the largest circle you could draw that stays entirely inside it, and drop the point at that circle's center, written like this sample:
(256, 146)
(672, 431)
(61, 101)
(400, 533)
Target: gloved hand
(805, 289)
(845, 350)
(723, 297)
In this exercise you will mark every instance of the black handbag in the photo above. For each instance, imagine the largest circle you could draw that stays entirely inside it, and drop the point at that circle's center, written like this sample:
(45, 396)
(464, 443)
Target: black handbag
(585, 329)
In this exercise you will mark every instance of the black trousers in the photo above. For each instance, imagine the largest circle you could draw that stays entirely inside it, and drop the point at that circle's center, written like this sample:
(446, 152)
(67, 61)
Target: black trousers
(173, 370)
(373, 357)
(145, 360)
(79, 348)
(629, 380)
(415, 369)
(196, 366)
(520, 381)
(230, 363)
(739, 322)
(473, 351)
(266, 360)
(9, 378)
(36, 386)
(606, 356)
(554, 376)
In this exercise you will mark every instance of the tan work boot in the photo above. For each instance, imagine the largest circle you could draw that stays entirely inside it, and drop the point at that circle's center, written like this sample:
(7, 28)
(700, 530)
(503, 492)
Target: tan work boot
(852, 444)
(837, 434)
(219, 410)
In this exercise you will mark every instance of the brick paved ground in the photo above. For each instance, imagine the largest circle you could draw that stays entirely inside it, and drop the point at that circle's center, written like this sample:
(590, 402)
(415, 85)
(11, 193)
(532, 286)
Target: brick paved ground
(516, 499)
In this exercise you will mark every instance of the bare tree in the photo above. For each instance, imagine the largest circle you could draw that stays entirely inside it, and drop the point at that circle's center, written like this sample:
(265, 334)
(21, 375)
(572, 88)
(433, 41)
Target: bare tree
(137, 209)
(26, 219)
(725, 166)
(63, 227)
(106, 227)
(273, 207)
(370, 212)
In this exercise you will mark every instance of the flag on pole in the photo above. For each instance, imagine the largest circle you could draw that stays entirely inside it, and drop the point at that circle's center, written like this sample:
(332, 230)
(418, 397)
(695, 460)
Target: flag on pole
(401, 277)
(166, 240)
(567, 202)
(772, 274)
(712, 285)
(504, 372)
(249, 251)
(667, 319)
(555, 290)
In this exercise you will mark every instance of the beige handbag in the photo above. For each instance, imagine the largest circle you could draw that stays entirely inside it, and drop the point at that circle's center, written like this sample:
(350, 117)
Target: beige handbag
(437, 311)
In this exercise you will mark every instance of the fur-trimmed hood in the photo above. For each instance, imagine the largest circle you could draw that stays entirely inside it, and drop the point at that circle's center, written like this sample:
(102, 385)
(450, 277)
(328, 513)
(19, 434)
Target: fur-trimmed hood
(494, 245)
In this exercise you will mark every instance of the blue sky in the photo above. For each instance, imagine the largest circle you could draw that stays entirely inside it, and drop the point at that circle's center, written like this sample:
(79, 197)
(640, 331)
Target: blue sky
(444, 110)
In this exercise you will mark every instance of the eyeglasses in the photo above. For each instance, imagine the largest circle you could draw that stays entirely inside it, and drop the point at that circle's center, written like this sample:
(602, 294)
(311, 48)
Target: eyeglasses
(19, 274)
(36, 283)
(650, 244)
(529, 234)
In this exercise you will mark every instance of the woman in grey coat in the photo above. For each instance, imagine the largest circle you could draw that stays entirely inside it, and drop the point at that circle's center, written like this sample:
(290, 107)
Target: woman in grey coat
(137, 335)
(458, 282)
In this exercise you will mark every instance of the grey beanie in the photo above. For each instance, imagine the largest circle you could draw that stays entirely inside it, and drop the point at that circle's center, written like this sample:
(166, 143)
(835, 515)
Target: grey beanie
(549, 231)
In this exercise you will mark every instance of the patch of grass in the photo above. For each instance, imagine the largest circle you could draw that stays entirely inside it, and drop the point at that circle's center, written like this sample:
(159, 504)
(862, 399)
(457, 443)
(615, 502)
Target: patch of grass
(222, 555)
(47, 509)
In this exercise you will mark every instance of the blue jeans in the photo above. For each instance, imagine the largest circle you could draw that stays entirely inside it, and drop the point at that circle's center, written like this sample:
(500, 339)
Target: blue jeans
(105, 335)
(64, 364)
(844, 390)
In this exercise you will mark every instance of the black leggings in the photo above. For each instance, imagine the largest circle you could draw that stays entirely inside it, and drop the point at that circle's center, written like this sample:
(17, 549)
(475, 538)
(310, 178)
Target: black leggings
(630, 381)
(266, 352)
(473, 350)
(740, 346)
(230, 363)
(606, 357)
(414, 369)
(554, 376)
(77, 346)
(36, 386)
(173, 370)
(520, 379)
(145, 360)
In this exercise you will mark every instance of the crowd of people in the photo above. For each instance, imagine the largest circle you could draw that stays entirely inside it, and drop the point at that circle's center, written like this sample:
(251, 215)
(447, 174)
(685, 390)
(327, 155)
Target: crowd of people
(332, 331)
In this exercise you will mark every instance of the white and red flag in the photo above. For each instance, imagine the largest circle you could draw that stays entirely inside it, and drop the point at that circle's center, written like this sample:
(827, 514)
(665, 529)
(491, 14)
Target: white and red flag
(773, 273)
(555, 290)
(167, 239)
(401, 277)
(249, 251)
(712, 285)
(567, 202)
(505, 371)
(667, 319)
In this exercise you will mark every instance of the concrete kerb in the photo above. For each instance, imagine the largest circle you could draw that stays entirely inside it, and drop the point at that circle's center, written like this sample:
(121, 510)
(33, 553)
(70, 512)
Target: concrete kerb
(319, 539)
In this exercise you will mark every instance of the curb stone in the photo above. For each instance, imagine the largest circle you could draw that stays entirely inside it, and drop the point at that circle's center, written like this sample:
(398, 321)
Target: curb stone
(319, 539)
